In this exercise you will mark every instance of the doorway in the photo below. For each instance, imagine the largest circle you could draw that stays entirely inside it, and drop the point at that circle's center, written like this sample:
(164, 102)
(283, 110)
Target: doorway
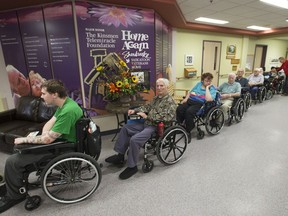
(260, 56)
(211, 59)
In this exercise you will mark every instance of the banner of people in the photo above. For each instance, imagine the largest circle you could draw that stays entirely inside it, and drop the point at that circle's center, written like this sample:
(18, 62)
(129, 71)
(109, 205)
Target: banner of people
(44, 42)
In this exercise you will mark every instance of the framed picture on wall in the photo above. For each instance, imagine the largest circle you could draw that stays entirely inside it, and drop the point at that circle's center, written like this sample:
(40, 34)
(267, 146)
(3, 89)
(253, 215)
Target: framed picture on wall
(231, 50)
(188, 59)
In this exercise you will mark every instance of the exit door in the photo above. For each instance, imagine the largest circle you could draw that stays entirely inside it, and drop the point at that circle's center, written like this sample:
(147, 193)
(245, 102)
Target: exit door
(211, 59)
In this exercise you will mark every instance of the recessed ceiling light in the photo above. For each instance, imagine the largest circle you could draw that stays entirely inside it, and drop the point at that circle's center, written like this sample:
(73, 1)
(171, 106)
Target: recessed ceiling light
(258, 28)
(278, 3)
(209, 20)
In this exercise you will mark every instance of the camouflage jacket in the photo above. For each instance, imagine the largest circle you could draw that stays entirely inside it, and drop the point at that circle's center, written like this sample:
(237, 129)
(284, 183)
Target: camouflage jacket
(163, 109)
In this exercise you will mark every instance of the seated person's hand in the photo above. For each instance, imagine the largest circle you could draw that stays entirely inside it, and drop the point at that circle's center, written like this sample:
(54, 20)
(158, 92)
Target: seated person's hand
(142, 114)
(130, 112)
(19, 140)
(225, 96)
(184, 101)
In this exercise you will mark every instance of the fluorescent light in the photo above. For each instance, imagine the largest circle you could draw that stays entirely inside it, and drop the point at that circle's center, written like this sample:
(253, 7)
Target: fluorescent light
(258, 28)
(208, 20)
(277, 3)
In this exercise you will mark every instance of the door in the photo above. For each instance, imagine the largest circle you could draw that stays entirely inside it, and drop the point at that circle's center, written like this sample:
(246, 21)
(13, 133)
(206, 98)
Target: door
(211, 59)
(260, 56)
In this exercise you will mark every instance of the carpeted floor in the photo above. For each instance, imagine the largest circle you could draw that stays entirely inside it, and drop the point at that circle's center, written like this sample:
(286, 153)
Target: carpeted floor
(243, 171)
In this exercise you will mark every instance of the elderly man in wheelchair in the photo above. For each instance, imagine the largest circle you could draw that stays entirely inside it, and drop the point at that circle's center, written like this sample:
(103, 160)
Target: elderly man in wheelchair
(135, 135)
(45, 149)
(232, 104)
(256, 81)
(245, 88)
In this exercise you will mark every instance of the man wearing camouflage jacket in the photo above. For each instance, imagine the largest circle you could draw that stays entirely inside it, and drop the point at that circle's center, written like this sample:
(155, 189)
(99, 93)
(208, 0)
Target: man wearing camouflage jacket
(134, 136)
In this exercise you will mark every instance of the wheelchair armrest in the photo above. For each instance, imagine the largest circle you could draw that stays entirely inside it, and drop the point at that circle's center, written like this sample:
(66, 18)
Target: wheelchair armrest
(36, 148)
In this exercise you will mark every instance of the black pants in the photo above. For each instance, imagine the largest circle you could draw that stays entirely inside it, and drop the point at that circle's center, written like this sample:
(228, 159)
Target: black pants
(285, 87)
(186, 112)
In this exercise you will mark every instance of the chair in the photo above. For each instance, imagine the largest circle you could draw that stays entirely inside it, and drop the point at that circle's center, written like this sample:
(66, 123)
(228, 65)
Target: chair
(177, 94)
(72, 174)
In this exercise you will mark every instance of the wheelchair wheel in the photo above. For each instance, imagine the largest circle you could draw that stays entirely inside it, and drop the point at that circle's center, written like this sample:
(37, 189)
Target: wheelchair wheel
(262, 94)
(214, 121)
(32, 203)
(248, 101)
(269, 94)
(200, 135)
(147, 166)
(171, 147)
(71, 177)
(239, 110)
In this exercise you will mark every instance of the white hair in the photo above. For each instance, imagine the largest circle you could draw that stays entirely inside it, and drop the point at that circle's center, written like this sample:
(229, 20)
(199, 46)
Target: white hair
(164, 80)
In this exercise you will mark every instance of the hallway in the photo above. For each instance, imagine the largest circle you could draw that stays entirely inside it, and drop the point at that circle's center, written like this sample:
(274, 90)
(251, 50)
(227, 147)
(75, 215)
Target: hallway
(243, 171)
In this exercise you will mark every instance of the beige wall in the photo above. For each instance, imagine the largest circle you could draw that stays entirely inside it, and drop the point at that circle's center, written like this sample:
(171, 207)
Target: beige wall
(191, 42)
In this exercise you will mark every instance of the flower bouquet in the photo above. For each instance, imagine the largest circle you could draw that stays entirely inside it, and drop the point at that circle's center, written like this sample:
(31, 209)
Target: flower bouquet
(117, 79)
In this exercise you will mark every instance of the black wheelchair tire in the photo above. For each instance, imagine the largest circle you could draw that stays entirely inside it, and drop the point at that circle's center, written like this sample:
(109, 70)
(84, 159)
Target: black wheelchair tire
(210, 121)
(69, 171)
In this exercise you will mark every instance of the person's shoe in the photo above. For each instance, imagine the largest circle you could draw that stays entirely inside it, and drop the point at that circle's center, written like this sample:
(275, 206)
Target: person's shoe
(6, 202)
(116, 159)
(128, 172)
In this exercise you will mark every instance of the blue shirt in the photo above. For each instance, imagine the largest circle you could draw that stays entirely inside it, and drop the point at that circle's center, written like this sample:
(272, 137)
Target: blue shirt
(198, 93)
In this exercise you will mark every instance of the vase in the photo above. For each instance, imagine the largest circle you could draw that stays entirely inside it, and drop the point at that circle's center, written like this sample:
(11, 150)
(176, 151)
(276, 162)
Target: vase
(125, 100)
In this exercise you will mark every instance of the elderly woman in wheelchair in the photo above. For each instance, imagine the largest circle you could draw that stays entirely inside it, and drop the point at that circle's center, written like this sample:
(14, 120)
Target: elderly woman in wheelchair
(233, 105)
(200, 98)
(43, 150)
(136, 135)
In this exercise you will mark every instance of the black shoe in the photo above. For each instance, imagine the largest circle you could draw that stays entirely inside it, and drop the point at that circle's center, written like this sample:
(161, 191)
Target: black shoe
(128, 172)
(6, 202)
(116, 159)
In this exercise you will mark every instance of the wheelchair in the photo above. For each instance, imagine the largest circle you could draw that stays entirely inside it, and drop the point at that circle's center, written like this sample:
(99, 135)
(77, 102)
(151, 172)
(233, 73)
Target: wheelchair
(71, 174)
(268, 84)
(237, 110)
(247, 97)
(260, 95)
(210, 116)
(169, 147)
(277, 85)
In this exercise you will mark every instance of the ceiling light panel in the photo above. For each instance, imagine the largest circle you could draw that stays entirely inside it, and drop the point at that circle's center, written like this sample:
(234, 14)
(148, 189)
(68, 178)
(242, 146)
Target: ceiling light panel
(277, 3)
(209, 20)
(259, 28)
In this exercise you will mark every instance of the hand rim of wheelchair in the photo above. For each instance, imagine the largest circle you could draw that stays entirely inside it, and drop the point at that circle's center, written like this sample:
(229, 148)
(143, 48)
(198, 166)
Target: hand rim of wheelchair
(173, 144)
(210, 124)
(69, 179)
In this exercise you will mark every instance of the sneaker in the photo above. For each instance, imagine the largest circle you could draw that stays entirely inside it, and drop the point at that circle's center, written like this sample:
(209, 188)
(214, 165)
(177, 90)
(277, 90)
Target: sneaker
(6, 202)
(128, 172)
(116, 159)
